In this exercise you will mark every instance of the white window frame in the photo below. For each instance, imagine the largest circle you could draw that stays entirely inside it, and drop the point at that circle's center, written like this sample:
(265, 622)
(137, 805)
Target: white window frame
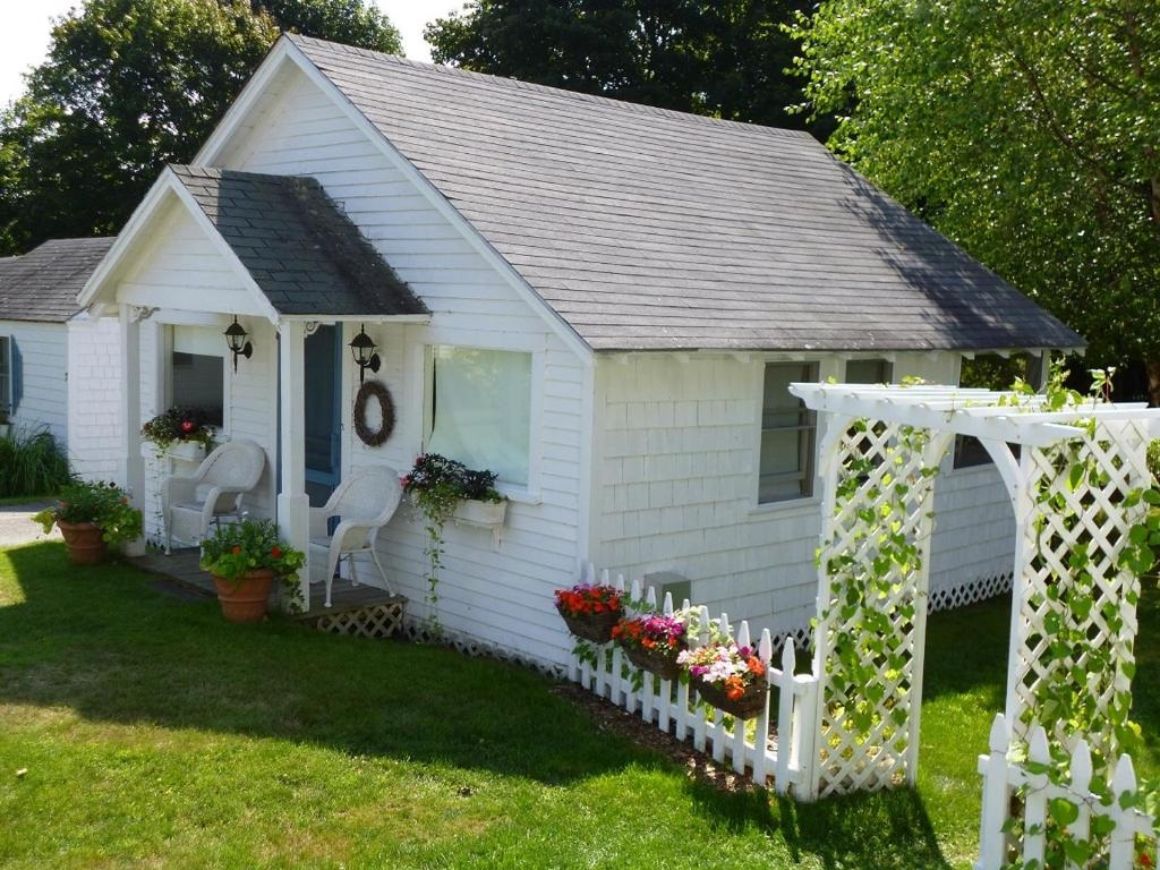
(529, 493)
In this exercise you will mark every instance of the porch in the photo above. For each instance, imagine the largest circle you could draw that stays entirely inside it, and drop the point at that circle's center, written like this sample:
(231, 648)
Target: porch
(362, 611)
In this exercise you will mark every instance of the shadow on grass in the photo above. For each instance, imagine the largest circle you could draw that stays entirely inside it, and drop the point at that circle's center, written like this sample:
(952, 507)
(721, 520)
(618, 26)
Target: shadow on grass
(104, 643)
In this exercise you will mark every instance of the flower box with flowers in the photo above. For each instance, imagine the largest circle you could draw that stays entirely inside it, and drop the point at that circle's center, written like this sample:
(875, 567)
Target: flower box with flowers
(590, 611)
(179, 433)
(652, 643)
(731, 678)
(445, 489)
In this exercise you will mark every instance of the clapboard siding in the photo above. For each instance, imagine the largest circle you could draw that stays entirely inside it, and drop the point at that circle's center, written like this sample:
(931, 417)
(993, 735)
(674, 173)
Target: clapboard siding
(497, 592)
(676, 489)
(40, 352)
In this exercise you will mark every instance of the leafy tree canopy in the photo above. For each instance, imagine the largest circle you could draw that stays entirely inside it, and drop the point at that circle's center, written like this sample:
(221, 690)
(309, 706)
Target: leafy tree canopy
(726, 58)
(130, 85)
(1026, 130)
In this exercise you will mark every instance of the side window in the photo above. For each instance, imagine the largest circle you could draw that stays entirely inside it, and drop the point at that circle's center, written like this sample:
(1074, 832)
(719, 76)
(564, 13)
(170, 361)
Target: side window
(869, 371)
(788, 435)
(481, 406)
(993, 372)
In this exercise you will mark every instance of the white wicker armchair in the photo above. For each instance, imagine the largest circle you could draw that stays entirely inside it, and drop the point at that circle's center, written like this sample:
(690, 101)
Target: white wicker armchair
(364, 503)
(212, 492)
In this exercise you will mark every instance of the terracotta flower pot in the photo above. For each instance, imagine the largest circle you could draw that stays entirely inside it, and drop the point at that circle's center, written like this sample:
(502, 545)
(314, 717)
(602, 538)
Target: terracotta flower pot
(594, 627)
(84, 542)
(245, 599)
(748, 706)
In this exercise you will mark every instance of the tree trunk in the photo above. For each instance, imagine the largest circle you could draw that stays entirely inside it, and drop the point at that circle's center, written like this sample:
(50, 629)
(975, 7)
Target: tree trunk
(1152, 369)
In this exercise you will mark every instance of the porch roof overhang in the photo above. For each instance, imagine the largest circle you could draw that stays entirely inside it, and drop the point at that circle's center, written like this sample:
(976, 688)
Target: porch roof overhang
(991, 416)
(297, 256)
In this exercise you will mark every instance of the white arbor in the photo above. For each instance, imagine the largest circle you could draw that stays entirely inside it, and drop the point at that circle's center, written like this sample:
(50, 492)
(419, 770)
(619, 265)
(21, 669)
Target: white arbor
(1076, 474)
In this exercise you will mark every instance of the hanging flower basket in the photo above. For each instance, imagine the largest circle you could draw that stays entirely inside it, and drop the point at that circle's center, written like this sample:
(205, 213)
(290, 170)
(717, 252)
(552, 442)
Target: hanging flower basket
(590, 611)
(663, 663)
(594, 627)
(748, 706)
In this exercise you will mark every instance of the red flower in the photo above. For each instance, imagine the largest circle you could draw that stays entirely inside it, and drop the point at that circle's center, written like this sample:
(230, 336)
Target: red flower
(187, 426)
(276, 552)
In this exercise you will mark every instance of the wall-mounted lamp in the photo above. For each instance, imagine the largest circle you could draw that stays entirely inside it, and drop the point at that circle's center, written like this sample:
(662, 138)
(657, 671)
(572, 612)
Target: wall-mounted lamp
(236, 338)
(363, 350)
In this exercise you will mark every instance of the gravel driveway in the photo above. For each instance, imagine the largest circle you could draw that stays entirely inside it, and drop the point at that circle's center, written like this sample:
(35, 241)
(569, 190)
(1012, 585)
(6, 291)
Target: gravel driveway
(16, 526)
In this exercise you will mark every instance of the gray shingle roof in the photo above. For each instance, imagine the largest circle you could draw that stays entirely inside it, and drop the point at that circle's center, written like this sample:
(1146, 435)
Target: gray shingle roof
(646, 228)
(43, 284)
(305, 255)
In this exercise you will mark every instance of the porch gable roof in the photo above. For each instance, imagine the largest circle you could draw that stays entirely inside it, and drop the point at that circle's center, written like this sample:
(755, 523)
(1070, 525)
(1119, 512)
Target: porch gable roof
(301, 251)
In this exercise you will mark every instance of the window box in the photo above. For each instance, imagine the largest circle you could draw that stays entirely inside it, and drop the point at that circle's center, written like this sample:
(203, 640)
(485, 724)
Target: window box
(481, 514)
(182, 451)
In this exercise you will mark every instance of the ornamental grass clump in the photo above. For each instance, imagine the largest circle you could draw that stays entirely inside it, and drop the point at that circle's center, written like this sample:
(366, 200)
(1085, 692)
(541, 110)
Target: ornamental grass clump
(730, 677)
(653, 642)
(590, 611)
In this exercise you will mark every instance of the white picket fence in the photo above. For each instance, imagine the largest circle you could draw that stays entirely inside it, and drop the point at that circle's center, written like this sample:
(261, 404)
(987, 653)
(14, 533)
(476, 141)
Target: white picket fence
(1001, 776)
(673, 711)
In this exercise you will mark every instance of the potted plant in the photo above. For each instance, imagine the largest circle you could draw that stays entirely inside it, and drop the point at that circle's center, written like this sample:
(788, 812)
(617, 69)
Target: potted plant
(181, 433)
(729, 677)
(590, 611)
(652, 642)
(90, 517)
(244, 558)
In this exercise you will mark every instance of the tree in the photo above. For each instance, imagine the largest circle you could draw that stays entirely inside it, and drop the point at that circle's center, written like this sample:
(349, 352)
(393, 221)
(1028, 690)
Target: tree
(726, 58)
(1026, 130)
(130, 85)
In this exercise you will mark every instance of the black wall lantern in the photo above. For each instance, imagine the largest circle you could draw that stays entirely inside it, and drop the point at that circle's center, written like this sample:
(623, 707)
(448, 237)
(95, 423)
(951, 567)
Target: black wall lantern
(236, 338)
(363, 350)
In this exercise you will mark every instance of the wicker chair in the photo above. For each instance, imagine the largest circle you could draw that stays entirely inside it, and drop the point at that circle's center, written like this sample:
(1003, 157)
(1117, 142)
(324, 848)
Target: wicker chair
(364, 503)
(214, 491)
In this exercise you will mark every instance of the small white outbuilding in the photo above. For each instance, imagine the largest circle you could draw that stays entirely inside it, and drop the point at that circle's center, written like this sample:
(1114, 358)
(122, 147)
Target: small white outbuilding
(604, 302)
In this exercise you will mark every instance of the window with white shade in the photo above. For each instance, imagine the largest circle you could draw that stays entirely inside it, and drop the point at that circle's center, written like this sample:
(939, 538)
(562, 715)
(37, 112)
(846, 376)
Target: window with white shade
(197, 372)
(787, 435)
(481, 409)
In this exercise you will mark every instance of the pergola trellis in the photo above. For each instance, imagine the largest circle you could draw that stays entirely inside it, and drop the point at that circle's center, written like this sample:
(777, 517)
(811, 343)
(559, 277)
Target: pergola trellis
(879, 450)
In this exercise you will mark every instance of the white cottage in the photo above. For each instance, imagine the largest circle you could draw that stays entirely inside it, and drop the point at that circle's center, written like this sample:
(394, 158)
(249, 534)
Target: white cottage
(38, 301)
(603, 301)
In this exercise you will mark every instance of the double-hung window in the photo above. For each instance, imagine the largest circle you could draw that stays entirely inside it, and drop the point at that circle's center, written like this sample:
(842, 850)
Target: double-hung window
(481, 407)
(788, 435)
(197, 372)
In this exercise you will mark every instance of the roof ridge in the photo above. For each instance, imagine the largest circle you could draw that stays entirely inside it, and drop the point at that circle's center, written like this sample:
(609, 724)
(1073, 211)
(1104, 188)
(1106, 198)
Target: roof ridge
(512, 83)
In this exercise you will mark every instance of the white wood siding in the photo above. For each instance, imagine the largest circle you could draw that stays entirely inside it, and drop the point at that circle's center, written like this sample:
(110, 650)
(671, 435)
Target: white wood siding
(94, 397)
(498, 594)
(676, 489)
(40, 360)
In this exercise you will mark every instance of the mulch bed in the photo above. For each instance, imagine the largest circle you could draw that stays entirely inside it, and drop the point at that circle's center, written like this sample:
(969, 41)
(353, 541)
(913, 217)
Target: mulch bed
(697, 765)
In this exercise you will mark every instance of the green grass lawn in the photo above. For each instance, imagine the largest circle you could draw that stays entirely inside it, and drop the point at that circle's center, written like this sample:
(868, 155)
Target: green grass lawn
(152, 732)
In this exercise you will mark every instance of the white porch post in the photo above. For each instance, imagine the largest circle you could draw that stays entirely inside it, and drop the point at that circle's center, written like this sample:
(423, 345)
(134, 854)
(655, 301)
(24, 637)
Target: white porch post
(132, 470)
(293, 504)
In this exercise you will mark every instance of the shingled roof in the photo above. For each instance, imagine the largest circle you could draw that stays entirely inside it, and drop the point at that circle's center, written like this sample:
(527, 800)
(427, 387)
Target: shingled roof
(43, 284)
(649, 229)
(301, 251)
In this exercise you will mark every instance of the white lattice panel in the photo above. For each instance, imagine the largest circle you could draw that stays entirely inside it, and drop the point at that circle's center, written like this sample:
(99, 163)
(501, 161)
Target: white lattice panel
(1063, 515)
(859, 620)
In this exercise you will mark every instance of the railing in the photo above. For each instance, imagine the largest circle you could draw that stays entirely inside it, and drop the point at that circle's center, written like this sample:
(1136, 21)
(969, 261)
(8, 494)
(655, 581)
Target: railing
(670, 707)
(1001, 776)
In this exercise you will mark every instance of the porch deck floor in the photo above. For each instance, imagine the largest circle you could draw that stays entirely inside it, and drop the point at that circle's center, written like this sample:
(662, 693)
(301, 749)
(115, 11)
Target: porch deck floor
(182, 568)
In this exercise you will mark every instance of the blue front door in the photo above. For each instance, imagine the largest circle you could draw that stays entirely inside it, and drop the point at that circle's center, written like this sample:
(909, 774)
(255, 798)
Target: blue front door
(323, 365)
